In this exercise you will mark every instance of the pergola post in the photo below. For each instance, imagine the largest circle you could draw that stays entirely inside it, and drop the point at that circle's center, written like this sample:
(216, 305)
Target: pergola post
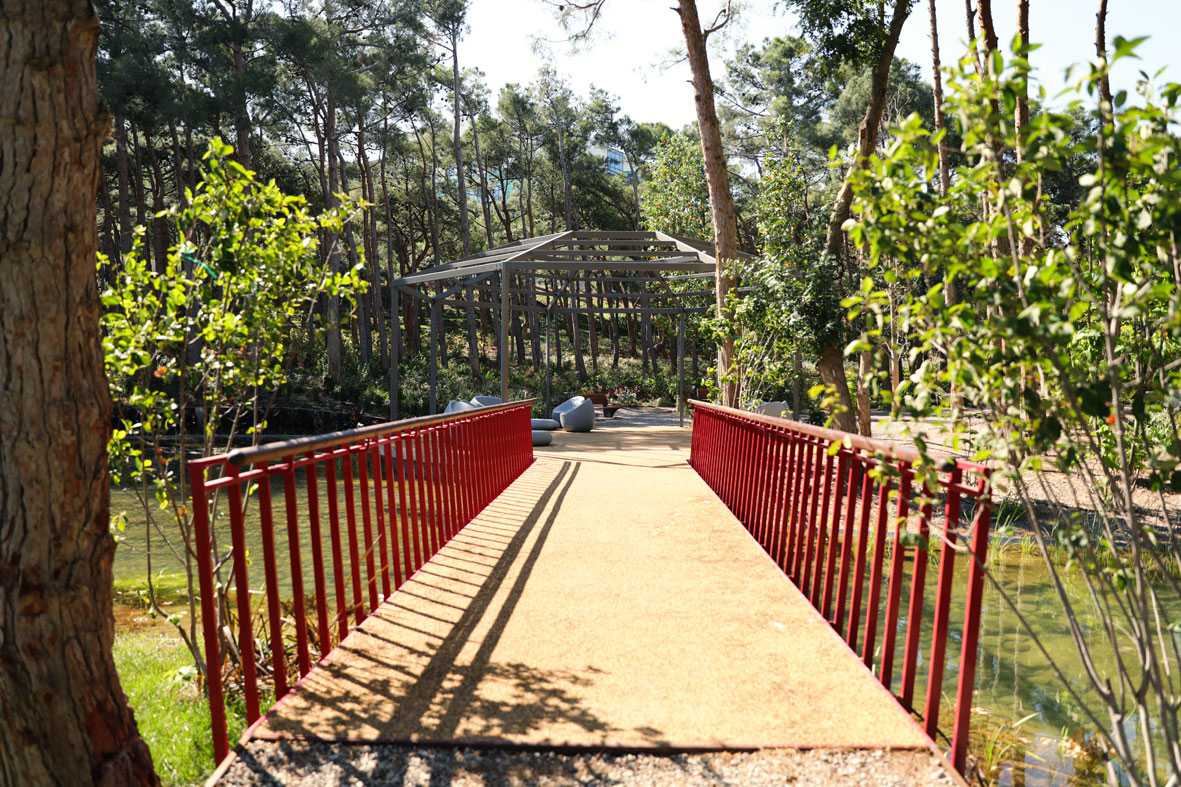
(395, 351)
(436, 318)
(506, 307)
(681, 370)
(549, 369)
(626, 257)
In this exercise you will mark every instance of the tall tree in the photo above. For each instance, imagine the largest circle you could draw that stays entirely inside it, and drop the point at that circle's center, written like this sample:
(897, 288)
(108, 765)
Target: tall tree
(448, 17)
(860, 35)
(1101, 53)
(937, 95)
(557, 103)
(717, 173)
(231, 24)
(63, 712)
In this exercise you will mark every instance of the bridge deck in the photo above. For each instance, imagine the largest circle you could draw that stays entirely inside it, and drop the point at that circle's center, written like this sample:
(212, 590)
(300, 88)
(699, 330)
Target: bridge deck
(607, 599)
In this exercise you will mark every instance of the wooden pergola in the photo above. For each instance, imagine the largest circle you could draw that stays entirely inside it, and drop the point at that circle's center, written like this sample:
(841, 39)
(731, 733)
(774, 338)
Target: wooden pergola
(536, 275)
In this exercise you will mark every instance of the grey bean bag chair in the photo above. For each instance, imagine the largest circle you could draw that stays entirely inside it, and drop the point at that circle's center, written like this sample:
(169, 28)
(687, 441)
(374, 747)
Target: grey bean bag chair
(548, 424)
(541, 437)
(458, 406)
(780, 409)
(480, 400)
(576, 414)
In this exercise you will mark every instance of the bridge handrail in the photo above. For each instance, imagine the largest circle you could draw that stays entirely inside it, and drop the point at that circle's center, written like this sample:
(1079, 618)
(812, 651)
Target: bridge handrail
(419, 482)
(782, 481)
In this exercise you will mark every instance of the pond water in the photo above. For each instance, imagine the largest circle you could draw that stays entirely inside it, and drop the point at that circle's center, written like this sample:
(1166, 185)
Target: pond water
(1027, 730)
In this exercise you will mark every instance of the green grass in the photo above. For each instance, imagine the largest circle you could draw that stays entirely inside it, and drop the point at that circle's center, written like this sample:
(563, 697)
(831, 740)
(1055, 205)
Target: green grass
(171, 588)
(171, 712)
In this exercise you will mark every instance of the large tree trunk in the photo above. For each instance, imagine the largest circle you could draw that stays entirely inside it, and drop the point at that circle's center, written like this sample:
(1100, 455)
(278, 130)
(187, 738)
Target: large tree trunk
(241, 112)
(1101, 53)
(360, 325)
(465, 232)
(987, 28)
(483, 173)
(335, 347)
(63, 715)
(123, 170)
(830, 363)
(721, 201)
(1021, 117)
(567, 184)
(950, 291)
(369, 227)
(161, 235)
(937, 72)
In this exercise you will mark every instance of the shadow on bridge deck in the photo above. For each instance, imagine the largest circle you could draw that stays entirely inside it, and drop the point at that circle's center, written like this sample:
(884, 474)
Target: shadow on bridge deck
(606, 600)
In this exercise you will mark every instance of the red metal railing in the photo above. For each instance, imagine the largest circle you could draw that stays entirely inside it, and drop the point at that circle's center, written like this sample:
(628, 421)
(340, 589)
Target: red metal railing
(405, 487)
(824, 518)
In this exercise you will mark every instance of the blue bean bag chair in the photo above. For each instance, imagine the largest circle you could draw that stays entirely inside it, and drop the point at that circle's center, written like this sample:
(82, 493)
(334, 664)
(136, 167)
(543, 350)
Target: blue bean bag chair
(458, 406)
(541, 437)
(481, 400)
(576, 414)
(547, 424)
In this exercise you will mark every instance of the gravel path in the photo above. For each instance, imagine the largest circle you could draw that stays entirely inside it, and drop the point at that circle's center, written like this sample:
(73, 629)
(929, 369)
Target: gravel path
(315, 763)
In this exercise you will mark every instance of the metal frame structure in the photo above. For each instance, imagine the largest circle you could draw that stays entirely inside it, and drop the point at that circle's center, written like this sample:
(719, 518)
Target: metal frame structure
(532, 274)
(436, 474)
(808, 496)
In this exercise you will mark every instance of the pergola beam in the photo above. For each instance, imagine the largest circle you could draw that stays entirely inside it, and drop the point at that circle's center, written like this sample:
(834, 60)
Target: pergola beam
(677, 264)
(566, 265)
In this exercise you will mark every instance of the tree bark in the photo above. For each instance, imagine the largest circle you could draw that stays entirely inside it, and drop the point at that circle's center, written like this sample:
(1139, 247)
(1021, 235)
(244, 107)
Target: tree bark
(465, 232)
(830, 362)
(987, 28)
(123, 170)
(161, 234)
(1101, 53)
(970, 16)
(949, 291)
(940, 125)
(63, 715)
(721, 201)
(1021, 118)
(483, 174)
(242, 149)
(335, 346)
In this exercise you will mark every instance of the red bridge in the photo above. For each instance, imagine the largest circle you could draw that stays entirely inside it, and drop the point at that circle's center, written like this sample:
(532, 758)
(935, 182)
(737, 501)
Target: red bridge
(775, 590)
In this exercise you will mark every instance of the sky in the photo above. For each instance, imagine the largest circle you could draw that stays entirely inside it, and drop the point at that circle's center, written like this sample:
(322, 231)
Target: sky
(634, 52)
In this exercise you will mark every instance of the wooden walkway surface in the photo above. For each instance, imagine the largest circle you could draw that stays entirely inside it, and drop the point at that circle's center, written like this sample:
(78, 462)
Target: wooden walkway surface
(607, 600)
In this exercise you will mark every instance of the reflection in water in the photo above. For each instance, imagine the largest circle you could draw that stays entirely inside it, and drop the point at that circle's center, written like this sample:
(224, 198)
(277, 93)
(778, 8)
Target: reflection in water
(1015, 682)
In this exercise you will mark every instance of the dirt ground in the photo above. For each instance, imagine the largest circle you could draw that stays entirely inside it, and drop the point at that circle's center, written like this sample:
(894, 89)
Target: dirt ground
(1050, 489)
(318, 763)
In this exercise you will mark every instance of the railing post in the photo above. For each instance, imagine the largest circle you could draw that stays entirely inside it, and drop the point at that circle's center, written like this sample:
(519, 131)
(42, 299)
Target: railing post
(342, 617)
(350, 506)
(204, 546)
(951, 520)
(368, 542)
(274, 612)
(297, 600)
(242, 596)
(914, 611)
(966, 685)
(800, 503)
(323, 632)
